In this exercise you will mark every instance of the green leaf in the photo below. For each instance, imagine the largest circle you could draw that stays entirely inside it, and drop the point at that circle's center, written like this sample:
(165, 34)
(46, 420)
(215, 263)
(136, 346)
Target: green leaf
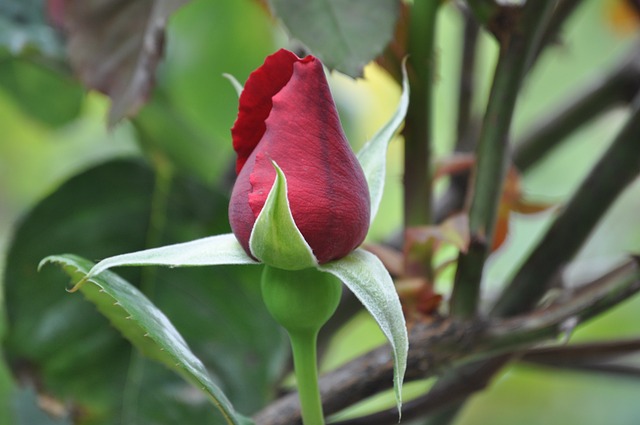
(44, 94)
(145, 326)
(373, 155)
(365, 275)
(275, 238)
(345, 34)
(105, 211)
(209, 251)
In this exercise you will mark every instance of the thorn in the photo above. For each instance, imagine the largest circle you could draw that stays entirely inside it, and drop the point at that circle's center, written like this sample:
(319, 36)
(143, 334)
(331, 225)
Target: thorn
(128, 317)
(567, 327)
(146, 334)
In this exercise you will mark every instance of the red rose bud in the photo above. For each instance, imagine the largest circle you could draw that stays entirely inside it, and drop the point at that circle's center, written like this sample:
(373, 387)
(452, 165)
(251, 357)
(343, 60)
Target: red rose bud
(287, 116)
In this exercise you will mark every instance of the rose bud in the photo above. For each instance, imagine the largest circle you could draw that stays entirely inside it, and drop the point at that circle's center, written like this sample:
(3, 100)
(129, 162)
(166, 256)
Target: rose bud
(287, 116)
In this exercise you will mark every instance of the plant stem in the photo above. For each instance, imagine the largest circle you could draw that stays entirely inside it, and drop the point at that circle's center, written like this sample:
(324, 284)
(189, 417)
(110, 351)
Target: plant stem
(615, 170)
(617, 86)
(492, 153)
(303, 344)
(466, 127)
(418, 124)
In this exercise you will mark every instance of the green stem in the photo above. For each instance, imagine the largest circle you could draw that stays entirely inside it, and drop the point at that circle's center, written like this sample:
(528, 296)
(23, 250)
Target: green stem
(418, 125)
(303, 344)
(302, 301)
(492, 152)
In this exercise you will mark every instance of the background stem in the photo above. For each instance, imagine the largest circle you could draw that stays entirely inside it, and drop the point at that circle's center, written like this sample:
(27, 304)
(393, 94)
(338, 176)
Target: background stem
(617, 168)
(492, 153)
(418, 124)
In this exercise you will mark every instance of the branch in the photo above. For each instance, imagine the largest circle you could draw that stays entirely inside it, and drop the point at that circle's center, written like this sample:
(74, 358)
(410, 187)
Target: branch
(445, 393)
(616, 169)
(446, 343)
(615, 87)
(491, 155)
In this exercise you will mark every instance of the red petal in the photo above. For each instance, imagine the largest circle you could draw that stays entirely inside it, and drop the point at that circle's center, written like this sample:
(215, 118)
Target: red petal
(255, 102)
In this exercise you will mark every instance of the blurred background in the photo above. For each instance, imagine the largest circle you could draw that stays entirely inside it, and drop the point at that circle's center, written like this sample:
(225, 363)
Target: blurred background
(52, 130)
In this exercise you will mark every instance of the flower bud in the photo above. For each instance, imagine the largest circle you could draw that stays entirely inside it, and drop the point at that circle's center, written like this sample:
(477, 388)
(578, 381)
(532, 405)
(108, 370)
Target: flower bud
(287, 116)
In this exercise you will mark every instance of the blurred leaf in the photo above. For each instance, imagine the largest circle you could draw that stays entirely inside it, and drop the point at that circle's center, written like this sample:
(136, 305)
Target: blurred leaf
(24, 29)
(454, 230)
(43, 94)
(115, 46)
(345, 34)
(144, 325)
(161, 127)
(64, 345)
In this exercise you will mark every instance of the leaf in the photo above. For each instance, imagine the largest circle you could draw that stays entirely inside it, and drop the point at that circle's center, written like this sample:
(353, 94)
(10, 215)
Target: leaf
(104, 211)
(48, 96)
(345, 34)
(209, 251)
(364, 274)
(115, 46)
(373, 155)
(275, 238)
(145, 326)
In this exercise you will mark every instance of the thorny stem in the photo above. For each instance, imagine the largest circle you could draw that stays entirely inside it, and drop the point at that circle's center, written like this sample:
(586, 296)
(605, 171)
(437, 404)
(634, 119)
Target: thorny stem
(615, 170)
(492, 152)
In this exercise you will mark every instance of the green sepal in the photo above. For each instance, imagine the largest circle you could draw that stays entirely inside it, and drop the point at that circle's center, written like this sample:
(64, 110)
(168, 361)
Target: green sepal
(209, 251)
(373, 155)
(275, 239)
(365, 275)
(235, 83)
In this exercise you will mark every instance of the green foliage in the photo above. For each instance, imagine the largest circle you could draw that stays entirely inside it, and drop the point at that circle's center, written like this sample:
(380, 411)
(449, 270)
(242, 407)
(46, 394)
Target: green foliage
(114, 217)
(344, 34)
(148, 329)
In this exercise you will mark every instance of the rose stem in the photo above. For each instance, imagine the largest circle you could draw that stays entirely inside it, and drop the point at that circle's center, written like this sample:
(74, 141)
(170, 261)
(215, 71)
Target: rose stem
(303, 344)
(492, 154)
(302, 301)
